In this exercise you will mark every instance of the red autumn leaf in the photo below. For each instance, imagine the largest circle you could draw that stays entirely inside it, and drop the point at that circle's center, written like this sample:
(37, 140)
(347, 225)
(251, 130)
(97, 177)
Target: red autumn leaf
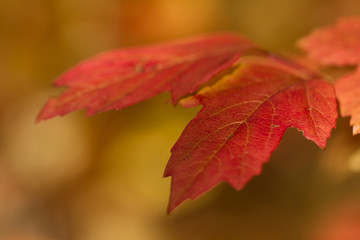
(241, 125)
(120, 78)
(339, 45)
(245, 112)
(348, 94)
(335, 45)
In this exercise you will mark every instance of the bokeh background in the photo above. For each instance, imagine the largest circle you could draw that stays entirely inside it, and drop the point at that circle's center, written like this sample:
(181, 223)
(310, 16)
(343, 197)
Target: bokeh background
(100, 178)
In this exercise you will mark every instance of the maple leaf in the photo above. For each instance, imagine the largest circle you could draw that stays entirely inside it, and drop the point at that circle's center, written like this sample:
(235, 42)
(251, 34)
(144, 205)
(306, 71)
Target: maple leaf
(339, 45)
(117, 79)
(241, 125)
(250, 97)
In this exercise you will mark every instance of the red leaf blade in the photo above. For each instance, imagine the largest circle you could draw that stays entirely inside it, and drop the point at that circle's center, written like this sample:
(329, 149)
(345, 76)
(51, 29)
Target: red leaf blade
(117, 79)
(348, 94)
(335, 45)
(239, 127)
(242, 122)
(339, 45)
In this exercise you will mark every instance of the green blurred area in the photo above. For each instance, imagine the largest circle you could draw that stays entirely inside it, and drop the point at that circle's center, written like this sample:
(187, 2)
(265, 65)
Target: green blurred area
(100, 178)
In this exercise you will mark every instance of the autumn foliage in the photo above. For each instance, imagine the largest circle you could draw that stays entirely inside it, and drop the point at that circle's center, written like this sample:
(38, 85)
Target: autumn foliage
(339, 45)
(250, 97)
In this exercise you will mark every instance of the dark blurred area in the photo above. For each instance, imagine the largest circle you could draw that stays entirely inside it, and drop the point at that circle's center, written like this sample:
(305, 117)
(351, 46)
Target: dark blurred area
(100, 178)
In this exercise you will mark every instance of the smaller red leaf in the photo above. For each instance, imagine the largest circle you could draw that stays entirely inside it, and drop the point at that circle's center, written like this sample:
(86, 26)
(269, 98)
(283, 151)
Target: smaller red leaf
(348, 94)
(241, 124)
(117, 79)
(335, 45)
(340, 45)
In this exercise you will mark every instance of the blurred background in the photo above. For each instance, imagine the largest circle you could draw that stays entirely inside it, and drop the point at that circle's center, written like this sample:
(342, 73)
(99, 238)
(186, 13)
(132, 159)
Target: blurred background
(100, 178)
